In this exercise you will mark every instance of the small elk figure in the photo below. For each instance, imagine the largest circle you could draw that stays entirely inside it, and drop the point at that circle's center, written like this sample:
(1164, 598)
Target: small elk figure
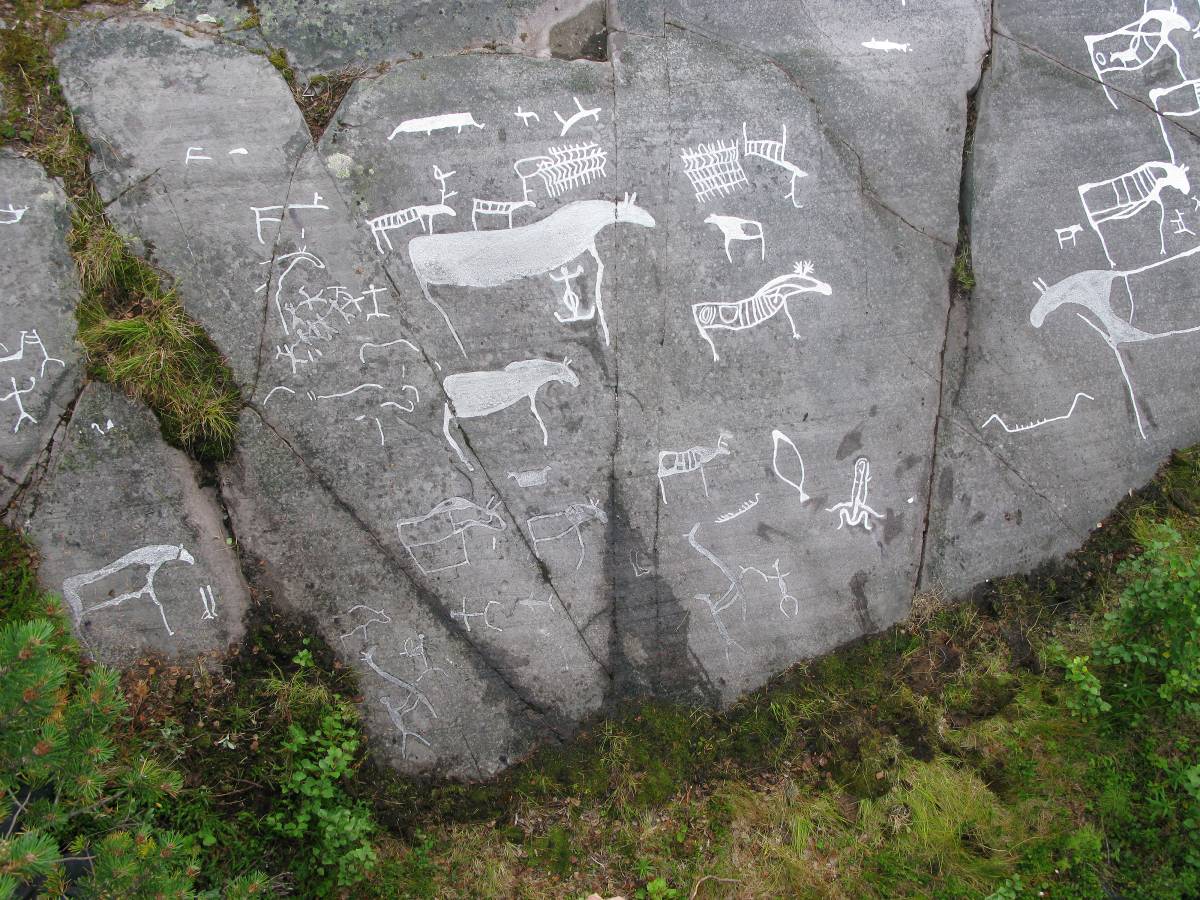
(679, 462)
(440, 534)
(552, 526)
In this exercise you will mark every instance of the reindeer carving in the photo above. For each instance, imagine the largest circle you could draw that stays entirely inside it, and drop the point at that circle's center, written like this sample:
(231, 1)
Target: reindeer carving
(679, 462)
(552, 526)
(474, 394)
(772, 297)
(490, 258)
(444, 526)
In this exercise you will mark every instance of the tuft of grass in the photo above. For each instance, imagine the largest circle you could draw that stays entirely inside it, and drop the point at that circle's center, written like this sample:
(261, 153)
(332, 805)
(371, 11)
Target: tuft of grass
(962, 273)
(138, 336)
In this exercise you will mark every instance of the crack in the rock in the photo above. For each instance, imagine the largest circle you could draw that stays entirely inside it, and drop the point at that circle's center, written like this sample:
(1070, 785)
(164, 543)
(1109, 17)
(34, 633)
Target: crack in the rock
(866, 188)
(1091, 76)
(137, 183)
(41, 463)
(266, 307)
(956, 295)
(423, 594)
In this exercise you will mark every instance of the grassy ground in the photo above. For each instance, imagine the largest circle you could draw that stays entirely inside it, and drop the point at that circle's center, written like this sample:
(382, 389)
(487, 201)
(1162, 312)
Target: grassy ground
(959, 755)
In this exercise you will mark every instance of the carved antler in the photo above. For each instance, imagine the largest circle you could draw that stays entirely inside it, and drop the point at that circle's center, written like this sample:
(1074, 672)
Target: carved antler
(803, 268)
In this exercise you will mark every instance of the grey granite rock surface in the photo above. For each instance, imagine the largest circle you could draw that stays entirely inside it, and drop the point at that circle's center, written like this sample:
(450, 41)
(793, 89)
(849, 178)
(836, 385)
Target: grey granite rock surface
(1069, 389)
(570, 381)
(39, 362)
(137, 550)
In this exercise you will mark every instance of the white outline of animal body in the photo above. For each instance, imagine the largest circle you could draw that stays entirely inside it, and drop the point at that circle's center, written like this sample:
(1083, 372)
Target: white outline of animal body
(773, 152)
(714, 169)
(447, 525)
(1141, 37)
(887, 46)
(563, 168)
(504, 208)
(736, 229)
(430, 124)
(1190, 106)
(855, 511)
(777, 438)
(731, 596)
(1037, 423)
(530, 477)
(1092, 289)
(415, 696)
(16, 214)
(525, 116)
(576, 515)
(693, 459)
(739, 315)
(476, 394)
(1067, 234)
(780, 581)
(155, 556)
(575, 117)
(491, 258)
(422, 213)
(1124, 196)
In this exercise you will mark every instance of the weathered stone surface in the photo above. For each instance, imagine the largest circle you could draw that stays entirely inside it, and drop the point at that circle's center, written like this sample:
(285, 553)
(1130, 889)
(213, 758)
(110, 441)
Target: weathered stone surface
(135, 547)
(1009, 496)
(519, 469)
(39, 364)
(392, 478)
(329, 35)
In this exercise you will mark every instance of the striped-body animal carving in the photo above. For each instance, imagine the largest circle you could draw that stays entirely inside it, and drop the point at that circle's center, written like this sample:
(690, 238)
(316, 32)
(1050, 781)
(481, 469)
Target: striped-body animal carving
(738, 315)
(680, 462)
(474, 394)
(490, 258)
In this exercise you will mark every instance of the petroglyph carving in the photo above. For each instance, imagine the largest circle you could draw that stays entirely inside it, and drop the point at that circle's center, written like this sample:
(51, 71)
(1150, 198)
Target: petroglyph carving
(715, 170)
(553, 526)
(440, 535)
(154, 557)
(769, 299)
(430, 124)
(490, 258)
(855, 512)
(694, 459)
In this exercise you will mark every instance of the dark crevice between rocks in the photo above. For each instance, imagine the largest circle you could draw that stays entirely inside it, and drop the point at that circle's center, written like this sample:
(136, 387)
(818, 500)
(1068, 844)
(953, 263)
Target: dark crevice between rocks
(14, 511)
(953, 355)
(550, 719)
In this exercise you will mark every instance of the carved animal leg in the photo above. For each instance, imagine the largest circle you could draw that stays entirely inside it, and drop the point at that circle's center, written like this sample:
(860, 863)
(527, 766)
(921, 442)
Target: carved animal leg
(446, 417)
(662, 489)
(599, 301)
(387, 240)
(787, 312)
(762, 244)
(1124, 373)
(713, 347)
(1162, 221)
(582, 548)
(449, 324)
(536, 415)
(728, 239)
(704, 481)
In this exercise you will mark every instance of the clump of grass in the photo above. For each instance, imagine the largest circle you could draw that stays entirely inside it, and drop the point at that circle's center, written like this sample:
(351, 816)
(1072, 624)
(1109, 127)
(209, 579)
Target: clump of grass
(963, 274)
(138, 336)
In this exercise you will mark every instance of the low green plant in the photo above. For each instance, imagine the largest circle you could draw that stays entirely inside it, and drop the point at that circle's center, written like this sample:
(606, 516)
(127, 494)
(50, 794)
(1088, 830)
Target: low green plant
(1150, 649)
(315, 811)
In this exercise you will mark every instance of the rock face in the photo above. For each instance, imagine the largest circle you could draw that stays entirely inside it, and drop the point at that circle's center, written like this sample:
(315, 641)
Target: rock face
(136, 549)
(1072, 383)
(569, 381)
(39, 370)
